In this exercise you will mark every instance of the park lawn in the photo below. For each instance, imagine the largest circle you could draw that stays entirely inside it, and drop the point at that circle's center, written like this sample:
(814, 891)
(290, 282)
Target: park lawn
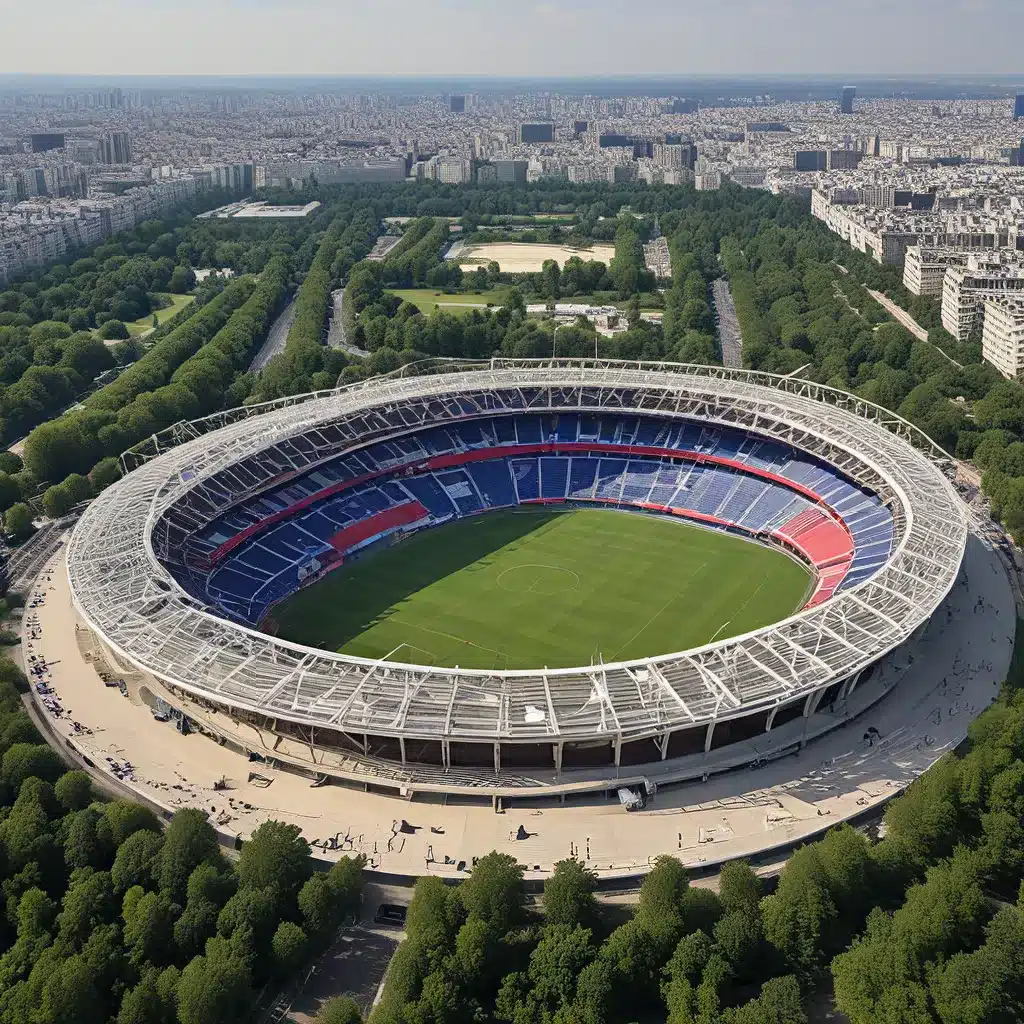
(545, 588)
(141, 327)
(428, 300)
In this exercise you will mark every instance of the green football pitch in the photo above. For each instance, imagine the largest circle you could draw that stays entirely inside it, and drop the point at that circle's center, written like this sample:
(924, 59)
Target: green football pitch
(544, 588)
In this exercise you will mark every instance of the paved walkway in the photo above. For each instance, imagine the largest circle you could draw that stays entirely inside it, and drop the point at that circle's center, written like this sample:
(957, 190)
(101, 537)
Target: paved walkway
(941, 685)
(899, 314)
(728, 325)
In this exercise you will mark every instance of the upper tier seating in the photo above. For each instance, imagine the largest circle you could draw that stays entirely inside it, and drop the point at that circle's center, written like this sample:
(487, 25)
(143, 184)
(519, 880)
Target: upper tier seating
(253, 551)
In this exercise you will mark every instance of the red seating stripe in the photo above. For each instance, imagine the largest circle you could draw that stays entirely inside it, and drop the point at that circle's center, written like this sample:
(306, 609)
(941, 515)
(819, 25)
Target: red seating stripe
(401, 515)
(500, 452)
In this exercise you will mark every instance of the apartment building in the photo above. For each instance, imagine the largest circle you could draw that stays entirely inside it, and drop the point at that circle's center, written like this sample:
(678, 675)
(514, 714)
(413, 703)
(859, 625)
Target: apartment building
(1002, 338)
(864, 229)
(965, 289)
(925, 268)
(38, 233)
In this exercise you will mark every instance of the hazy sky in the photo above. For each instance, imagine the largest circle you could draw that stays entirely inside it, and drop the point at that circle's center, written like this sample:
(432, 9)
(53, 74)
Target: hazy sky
(513, 37)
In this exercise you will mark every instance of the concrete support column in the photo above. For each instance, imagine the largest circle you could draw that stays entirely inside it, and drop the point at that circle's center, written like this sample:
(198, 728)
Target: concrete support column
(852, 685)
(771, 719)
(707, 738)
(812, 702)
(366, 744)
(618, 750)
(446, 754)
(497, 758)
(558, 759)
(401, 747)
(662, 742)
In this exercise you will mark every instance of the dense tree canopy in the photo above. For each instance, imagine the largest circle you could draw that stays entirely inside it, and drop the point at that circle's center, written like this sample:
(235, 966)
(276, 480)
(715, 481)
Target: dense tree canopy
(111, 919)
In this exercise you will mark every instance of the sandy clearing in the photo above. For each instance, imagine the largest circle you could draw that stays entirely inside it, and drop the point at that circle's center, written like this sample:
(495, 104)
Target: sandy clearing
(527, 257)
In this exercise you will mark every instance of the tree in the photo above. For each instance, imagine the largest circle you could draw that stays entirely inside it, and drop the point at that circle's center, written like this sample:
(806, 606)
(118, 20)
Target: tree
(9, 491)
(73, 790)
(432, 918)
(59, 499)
(148, 928)
(318, 906)
(739, 888)
(122, 818)
(633, 311)
(494, 891)
(215, 987)
(659, 908)
(345, 879)
(339, 1010)
(289, 948)
(18, 521)
(473, 962)
(104, 473)
(569, 894)
(88, 903)
(594, 992)
(197, 923)
(778, 1003)
(24, 760)
(276, 855)
(114, 329)
(135, 860)
(799, 918)
(557, 962)
(83, 846)
(738, 939)
(152, 1000)
(188, 842)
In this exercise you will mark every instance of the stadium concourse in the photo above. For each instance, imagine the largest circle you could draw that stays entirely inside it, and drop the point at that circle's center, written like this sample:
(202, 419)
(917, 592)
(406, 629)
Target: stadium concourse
(946, 679)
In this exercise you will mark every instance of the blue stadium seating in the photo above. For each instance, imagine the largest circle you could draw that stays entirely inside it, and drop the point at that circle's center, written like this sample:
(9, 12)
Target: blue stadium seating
(266, 566)
(582, 474)
(609, 479)
(526, 474)
(493, 481)
(553, 475)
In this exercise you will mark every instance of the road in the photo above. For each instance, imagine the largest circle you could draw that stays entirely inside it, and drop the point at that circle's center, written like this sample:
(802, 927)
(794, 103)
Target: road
(336, 337)
(728, 325)
(336, 328)
(276, 337)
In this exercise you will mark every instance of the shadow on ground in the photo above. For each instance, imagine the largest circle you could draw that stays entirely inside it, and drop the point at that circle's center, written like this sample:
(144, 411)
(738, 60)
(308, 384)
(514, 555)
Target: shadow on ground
(353, 966)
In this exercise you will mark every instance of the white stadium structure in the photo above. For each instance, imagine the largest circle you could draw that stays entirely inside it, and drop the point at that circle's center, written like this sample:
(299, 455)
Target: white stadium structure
(147, 575)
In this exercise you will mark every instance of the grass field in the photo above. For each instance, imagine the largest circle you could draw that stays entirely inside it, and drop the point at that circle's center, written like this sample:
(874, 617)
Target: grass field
(426, 300)
(141, 327)
(535, 588)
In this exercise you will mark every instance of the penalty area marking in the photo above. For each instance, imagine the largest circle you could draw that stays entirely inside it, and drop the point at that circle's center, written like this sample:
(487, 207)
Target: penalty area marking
(538, 565)
(450, 636)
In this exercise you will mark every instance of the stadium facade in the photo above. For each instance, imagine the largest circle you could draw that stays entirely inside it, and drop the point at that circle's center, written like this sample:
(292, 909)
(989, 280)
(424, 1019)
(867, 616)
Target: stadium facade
(174, 567)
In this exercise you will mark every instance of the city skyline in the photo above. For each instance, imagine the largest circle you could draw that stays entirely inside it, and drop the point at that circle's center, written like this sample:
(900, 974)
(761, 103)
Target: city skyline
(568, 38)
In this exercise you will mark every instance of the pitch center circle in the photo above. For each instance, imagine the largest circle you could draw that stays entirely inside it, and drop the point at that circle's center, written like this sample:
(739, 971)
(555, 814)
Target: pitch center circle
(538, 578)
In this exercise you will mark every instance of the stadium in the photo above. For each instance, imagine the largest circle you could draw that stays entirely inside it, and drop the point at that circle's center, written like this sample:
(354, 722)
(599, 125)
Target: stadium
(250, 565)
